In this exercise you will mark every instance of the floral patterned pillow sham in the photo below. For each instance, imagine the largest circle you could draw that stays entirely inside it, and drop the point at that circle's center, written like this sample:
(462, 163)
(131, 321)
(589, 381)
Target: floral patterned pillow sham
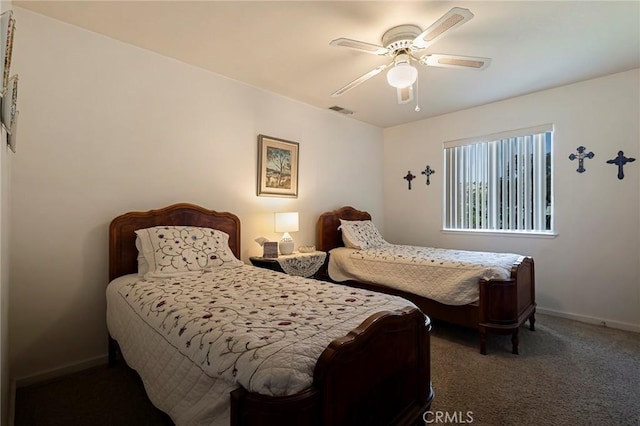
(174, 250)
(360, 234)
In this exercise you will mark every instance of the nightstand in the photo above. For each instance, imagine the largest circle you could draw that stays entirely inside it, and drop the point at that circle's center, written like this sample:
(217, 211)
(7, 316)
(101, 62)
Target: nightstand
(299, 264)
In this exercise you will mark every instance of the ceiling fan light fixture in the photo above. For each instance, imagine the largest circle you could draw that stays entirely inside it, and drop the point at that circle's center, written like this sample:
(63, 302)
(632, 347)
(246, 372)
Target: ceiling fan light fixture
(403, 74)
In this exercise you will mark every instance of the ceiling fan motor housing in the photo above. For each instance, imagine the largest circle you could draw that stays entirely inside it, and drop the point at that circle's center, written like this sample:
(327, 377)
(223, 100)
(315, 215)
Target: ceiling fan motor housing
(400, 38)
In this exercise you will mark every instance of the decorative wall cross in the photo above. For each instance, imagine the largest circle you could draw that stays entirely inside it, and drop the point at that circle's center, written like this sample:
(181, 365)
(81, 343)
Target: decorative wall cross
(580, 155)
(428, 172)
(409, 177)
(620, 161)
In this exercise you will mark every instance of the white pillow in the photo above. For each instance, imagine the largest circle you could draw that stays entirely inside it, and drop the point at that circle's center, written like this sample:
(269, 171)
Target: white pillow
(143, 266)
(175, 250)
(360, 234)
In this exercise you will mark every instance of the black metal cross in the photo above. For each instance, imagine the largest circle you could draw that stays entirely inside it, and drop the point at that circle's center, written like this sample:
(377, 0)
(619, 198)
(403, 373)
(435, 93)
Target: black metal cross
(581, 156)
(409, 177)
(428, 172)
(620, 161)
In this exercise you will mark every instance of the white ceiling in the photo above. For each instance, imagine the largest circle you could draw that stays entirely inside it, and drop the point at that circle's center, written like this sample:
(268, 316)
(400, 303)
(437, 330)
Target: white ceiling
(283, 47)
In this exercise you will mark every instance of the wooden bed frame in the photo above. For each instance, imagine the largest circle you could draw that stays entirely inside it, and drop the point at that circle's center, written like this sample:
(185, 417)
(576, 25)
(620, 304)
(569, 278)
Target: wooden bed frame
(503, 306)
(377, 374)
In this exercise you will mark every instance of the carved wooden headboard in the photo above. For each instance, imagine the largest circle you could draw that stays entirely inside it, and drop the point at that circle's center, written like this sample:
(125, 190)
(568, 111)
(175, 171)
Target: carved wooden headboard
(328, 236)
(123, 254)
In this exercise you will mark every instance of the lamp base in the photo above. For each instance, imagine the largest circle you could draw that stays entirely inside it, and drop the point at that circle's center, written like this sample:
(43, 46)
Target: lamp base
(285, 246)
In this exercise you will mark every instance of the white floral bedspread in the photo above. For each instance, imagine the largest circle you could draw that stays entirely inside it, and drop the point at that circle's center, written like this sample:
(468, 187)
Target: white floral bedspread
(447, 276)
(258, 328)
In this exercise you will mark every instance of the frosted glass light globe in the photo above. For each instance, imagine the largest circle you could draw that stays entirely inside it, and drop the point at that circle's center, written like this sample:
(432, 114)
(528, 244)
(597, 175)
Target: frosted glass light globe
(402, 75)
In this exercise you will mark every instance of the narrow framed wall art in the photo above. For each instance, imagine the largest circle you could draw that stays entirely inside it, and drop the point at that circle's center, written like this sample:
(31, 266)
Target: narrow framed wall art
(7, 28)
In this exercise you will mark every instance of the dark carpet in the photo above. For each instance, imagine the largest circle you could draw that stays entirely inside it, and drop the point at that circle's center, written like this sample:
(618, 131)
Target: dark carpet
(567, 373)
(100, 396)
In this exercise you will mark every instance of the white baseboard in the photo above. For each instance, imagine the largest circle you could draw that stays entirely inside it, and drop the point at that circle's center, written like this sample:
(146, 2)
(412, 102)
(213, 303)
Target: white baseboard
(591, 320)
(59, 372)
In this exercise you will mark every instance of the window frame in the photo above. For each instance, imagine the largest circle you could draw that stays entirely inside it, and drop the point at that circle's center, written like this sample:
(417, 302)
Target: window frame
(487, 177)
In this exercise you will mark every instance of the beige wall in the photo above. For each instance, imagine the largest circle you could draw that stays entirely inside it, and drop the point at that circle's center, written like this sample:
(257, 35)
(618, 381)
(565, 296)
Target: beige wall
(108, 128)
(590, 270)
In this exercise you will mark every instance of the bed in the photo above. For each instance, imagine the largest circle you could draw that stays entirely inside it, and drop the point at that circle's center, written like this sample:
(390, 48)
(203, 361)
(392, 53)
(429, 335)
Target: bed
(375, 371)
(501, 305)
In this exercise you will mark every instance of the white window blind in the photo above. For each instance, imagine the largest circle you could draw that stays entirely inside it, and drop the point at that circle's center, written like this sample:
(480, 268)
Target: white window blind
(500, 182)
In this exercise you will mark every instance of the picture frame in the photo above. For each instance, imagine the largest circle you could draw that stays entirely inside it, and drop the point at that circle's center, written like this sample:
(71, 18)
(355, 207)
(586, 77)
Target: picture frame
(277, 167)
(12, 136)
(7, 28)
(8, 110)
(270, 250)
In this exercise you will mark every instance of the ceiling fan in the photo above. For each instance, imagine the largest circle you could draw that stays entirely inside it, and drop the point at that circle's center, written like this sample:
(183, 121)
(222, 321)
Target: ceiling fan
(402, 44)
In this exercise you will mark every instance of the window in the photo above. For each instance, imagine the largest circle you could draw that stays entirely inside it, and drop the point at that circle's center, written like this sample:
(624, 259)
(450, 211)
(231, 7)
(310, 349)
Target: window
(500, 182)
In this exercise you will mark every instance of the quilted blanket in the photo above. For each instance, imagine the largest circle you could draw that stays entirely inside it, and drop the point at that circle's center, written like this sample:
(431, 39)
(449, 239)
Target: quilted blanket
(254, 327)
(447, 276)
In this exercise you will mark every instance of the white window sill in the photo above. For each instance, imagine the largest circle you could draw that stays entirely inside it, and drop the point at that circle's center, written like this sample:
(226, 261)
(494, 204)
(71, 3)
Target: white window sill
(518, 234)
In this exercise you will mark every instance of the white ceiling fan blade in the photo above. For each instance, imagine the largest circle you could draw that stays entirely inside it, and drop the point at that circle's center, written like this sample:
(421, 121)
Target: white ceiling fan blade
(450, 20)
(360, 46)
(455, 61)
(359, 80)
(405, 94)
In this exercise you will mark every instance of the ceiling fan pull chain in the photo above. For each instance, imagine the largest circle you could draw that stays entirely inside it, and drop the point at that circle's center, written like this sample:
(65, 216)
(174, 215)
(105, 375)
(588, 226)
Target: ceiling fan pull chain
(417, 109)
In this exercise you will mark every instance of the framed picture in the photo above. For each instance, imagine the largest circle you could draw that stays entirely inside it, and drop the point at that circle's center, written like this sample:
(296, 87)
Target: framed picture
(277, 167)
(270, 249)
(12, 137)
(7, 26)
(9, 104)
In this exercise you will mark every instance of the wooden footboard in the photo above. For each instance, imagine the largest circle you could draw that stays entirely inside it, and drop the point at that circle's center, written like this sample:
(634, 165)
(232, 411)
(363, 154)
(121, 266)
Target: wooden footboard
(378, 374)
(506, 304)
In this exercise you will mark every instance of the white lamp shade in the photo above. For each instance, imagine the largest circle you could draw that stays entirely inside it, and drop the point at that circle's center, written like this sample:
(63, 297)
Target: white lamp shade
(402, 75)
(286, 222)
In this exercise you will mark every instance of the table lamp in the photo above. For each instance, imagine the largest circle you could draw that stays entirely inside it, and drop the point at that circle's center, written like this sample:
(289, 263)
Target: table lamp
(286, 222)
